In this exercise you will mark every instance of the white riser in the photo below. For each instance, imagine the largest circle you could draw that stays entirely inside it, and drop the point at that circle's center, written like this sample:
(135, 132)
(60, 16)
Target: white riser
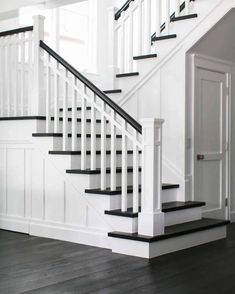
(183, 216)
(123, 224)
(74, 161)
(69, 126)
(130, 225)
(94, 180)
(151, 250)
(56, 143)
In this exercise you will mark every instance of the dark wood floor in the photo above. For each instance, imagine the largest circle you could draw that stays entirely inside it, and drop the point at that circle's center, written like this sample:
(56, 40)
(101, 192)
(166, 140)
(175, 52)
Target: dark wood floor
(37, 265)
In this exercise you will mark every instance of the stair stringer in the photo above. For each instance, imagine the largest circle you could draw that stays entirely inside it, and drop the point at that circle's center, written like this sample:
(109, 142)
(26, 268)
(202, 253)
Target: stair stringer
(162, 93)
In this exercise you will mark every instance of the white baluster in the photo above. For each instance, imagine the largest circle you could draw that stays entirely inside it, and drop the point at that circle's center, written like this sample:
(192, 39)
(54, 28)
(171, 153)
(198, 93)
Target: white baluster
(74, 117)
(56, 98)
(93, 133)
(135, 174)
(147, 38)
(187, 2)
(151, 220)
(37, 107)
(103, 148)
(7, 72)
(130, 67)
(113, 152)
(167, 21)
(158, 17)
(177, 7)
(83, 130)
(1, 75)
(30, 72)
(112, 47)
(22, 73)
(140, 27)
(122, 45)
(65, 112)
(48, 93)
(124, 166)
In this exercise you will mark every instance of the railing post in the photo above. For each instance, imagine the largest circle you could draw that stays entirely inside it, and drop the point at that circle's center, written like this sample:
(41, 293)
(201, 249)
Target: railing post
(151, 218)
(112, 46)
(37, 103)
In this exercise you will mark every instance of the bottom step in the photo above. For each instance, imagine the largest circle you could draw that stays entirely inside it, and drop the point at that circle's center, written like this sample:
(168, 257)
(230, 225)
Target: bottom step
(176, 237)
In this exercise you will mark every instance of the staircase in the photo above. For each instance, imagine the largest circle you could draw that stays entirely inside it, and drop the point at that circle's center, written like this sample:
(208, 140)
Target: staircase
(112, 162)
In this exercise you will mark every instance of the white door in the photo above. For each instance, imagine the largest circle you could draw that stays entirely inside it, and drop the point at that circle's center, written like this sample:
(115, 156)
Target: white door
(210, 161)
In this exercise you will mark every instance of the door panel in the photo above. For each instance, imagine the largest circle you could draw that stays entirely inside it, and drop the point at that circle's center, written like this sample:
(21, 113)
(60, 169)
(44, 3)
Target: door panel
(210, 142)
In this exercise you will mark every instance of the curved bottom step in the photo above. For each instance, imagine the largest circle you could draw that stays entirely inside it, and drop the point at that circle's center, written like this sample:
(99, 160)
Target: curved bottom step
(176, 237)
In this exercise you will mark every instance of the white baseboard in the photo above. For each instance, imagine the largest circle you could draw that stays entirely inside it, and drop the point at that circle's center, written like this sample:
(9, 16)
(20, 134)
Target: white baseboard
(63, 232)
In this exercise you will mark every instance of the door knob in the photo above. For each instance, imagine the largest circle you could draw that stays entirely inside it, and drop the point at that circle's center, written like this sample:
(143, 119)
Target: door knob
(200, 157)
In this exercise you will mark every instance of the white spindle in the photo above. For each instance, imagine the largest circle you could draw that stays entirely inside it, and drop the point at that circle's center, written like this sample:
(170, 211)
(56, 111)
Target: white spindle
(83, 130)
(93, 133)
(187, 2)
(140, 27)
(74, 117)
(113, 153)
(177, 7)
(131, 37)
(103, 148)
(22, 73)
(124, 166)
(147, 38)
(56, 97)
(7, 72)
(65, 112)
(30, 69)
(122, 46)
(48, 93)
(158, 17)
(36, 107)
(1, 76)
(167, 21)
(135, 174)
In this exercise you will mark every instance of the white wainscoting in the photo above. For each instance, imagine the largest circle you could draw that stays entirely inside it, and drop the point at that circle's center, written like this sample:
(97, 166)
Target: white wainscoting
(36, 198)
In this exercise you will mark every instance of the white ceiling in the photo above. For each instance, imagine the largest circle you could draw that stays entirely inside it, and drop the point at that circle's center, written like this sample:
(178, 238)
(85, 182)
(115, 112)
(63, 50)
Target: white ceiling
(220, 41)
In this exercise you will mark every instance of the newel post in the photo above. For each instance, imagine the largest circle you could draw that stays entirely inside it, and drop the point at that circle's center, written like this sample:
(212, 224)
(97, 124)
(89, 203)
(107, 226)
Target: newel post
(37, 102)
(151, 218)
(112, 48)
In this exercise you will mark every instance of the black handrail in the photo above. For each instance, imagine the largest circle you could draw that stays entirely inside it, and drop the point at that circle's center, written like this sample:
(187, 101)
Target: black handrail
(93, 88)
(124, 8)
(127, 4)
(16, 31)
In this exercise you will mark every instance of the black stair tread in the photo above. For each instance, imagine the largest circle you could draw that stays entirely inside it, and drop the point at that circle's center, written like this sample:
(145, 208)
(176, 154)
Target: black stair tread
(174, 230)
(88, 120)
(145, 56)
(166, 207)
(164, 37)
(183, 17)
(97, 171)
(70, 135)
(78, 108)
(88, 152)
(130, 74)
(129, 189)
(37, 117)
(115, 91)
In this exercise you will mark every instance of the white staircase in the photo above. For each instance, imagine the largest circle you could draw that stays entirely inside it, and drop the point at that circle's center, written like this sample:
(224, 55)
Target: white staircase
(106, 163)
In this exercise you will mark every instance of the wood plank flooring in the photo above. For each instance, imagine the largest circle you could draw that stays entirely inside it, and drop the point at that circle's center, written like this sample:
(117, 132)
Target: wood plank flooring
(37, 265)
